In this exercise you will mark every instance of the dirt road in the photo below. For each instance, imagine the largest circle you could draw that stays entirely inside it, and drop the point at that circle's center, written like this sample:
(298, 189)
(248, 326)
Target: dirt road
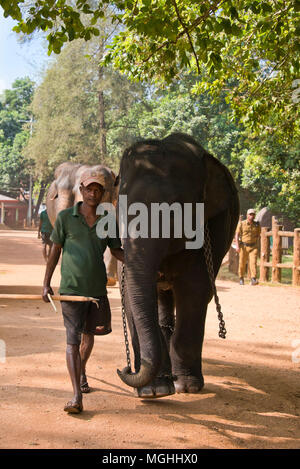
(251, 397)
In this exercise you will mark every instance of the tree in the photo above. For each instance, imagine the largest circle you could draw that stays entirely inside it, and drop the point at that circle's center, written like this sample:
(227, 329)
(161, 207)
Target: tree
(70, 124)
(14, 134)
(271, 171)
(249, 41)
(245, 55)
(177, 110)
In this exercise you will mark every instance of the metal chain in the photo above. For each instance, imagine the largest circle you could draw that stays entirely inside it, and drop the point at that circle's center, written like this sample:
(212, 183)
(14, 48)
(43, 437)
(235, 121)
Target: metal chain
(210, 269)
(171, 328)
(124, 317)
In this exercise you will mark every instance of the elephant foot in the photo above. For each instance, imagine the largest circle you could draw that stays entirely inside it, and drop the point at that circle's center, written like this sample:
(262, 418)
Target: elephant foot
(159, 387)
(189, 384)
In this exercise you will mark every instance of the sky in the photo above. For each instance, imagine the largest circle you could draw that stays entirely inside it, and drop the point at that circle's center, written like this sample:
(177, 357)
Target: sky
(19, 60)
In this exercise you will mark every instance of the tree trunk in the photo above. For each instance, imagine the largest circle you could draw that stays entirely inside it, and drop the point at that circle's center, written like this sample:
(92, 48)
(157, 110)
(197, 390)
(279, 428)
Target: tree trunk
(102, 124)
(40, 199)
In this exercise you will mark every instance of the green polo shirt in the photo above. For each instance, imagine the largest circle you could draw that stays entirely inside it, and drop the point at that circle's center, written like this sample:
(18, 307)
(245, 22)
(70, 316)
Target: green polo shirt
(46, 226)
(83, 271)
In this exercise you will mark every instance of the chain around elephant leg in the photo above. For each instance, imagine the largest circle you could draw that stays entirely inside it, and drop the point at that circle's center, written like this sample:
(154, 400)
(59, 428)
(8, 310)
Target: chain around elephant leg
(210, 269)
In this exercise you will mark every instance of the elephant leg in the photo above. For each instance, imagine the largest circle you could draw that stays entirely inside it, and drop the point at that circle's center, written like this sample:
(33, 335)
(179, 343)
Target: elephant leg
(163, 384)
(166, 306)
(192, 294)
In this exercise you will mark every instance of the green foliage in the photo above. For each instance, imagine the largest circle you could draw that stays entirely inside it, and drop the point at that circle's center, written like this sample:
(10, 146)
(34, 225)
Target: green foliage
(176, 110)
(241, 107)
(67, 127)
(67, 114)
(14, 134)
(251, 41)
(271, 170)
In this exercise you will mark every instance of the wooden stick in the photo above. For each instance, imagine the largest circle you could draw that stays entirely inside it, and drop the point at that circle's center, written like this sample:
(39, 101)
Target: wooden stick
(52, 302)
(13, 296)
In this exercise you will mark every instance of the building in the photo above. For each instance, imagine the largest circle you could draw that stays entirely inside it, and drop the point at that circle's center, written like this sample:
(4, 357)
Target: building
(12, 211)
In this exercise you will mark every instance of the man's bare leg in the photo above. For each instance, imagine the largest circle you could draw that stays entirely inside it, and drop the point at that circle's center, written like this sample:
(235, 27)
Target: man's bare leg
(45, 253)
(74, 368)
(87, 344)
(48, 251)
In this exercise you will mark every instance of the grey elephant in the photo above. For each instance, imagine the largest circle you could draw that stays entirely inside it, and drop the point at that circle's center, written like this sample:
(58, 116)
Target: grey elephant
(161, 275)
(64, 192)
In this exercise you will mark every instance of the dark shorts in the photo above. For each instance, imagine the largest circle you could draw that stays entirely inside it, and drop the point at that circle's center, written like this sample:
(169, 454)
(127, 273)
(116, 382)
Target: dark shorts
(46, 239)
(85, 317)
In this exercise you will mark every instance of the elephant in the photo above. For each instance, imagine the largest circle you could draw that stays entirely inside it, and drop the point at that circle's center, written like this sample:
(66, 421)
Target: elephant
(64, 192)
(161, 275)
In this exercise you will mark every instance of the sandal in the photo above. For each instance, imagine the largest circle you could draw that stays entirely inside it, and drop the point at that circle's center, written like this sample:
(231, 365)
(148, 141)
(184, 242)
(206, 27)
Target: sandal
(73, 408)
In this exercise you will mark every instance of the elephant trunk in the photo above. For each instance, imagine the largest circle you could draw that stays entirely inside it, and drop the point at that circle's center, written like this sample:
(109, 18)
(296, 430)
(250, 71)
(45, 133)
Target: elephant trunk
(140, 278)
(145, 374)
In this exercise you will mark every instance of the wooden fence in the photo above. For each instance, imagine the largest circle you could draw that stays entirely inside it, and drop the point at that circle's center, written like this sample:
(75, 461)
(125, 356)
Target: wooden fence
(276, 265)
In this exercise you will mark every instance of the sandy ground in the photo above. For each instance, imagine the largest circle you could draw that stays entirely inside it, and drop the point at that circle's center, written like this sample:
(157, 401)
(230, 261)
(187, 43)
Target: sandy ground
(251, 397)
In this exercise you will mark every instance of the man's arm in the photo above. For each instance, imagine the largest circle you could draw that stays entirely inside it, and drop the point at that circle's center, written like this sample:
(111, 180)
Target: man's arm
(51, 264)
(237, 244)
(118, 253)
(237, 235)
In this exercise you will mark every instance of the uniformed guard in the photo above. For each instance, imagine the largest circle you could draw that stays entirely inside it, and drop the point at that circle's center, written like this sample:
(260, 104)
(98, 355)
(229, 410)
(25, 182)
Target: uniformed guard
(247, 238)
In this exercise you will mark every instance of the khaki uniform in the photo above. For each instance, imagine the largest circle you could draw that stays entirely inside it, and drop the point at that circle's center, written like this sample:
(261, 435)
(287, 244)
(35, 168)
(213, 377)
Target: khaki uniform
(249, 234)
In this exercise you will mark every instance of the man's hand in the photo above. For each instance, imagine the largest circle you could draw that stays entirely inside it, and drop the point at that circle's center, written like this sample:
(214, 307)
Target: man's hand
(47, 290)
(237, 249)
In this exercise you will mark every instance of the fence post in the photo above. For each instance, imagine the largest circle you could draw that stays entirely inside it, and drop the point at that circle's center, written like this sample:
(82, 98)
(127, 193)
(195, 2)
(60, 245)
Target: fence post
(296, 258)
(276, 251)
(264, 254)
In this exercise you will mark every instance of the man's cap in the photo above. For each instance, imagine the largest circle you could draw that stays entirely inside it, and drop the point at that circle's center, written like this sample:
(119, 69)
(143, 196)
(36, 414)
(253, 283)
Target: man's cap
(90, 175)
(251, 210)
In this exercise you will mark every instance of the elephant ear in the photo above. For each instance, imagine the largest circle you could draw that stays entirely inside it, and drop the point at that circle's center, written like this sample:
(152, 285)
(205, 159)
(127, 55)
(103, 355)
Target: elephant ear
(52, 192)
(220, 189)
(115, 178)
(51, 203)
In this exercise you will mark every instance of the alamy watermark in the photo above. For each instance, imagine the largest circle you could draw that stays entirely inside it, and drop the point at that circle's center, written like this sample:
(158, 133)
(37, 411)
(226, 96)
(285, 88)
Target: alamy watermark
(163, 218)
